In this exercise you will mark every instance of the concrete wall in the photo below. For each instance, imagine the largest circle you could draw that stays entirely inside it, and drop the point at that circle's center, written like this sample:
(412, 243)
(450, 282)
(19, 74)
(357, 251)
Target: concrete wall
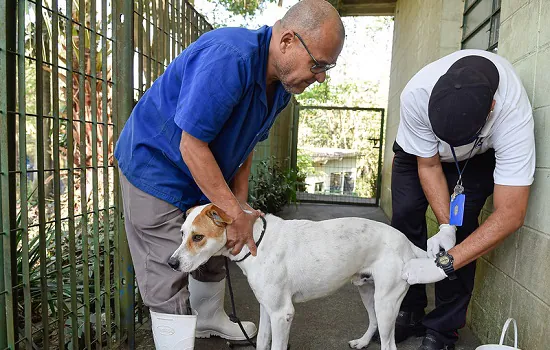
(513, 280)
(424, 31)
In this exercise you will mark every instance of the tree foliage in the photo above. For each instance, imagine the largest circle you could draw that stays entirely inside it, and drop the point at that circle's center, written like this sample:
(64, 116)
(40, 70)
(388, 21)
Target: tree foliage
(245, 7)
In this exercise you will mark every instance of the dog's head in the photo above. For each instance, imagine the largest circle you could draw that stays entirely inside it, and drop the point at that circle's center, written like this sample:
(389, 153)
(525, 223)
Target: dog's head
(203, 236)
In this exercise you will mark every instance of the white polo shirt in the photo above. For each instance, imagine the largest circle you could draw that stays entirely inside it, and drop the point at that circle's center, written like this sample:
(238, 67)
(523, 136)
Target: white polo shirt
(509, 129)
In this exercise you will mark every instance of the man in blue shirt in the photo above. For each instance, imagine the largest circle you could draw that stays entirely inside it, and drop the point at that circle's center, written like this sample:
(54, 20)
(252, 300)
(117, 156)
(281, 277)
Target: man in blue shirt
(189, 141)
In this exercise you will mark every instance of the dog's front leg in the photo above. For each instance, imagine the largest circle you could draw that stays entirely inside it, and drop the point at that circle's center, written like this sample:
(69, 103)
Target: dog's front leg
(281, 320)
(264, 332)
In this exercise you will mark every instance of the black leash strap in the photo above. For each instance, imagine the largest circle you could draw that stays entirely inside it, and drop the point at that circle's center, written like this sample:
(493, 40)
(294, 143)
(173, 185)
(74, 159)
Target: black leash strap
(233, 317)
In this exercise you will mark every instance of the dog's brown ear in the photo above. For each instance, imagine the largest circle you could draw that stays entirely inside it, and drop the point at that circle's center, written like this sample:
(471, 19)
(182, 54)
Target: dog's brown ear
(217, 215)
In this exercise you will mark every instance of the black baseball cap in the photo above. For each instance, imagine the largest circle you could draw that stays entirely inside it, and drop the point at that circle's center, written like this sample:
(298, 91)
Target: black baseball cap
(461, 100)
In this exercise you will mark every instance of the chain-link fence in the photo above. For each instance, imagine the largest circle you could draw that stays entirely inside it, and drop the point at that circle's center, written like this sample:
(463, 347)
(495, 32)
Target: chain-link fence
(339, 154)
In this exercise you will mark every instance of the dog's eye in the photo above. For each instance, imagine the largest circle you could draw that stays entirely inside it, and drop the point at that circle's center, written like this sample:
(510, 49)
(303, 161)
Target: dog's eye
(197, 238)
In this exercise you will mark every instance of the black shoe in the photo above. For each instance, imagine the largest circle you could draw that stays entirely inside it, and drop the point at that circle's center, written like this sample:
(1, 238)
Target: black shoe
(408, 324)
(430, 342)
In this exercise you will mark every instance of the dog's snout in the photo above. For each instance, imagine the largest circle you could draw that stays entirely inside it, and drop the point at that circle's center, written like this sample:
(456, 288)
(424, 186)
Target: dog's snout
(174, 263)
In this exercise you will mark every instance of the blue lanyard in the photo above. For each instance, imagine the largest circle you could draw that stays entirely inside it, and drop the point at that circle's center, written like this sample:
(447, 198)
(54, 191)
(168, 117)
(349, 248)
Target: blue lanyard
(460, 172)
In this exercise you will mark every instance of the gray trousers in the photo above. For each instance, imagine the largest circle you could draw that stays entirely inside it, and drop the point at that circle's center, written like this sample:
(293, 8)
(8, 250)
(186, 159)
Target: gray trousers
(153, 231)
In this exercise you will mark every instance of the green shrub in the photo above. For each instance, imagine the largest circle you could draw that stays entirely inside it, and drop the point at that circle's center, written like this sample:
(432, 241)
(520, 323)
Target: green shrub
(272, 186)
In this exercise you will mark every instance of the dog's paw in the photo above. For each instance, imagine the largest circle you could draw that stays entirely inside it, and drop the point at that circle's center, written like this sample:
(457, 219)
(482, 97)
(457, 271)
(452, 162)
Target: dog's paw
(358, 344)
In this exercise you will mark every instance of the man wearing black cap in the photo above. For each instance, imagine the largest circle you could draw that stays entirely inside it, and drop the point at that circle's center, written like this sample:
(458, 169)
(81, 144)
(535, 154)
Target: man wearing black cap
(466, 132)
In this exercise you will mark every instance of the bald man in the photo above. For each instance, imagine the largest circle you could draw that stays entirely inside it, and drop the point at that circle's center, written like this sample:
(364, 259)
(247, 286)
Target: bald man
(189, 141)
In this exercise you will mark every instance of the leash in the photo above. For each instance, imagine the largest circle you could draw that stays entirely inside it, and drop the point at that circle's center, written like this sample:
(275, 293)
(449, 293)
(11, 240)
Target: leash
(233, 317)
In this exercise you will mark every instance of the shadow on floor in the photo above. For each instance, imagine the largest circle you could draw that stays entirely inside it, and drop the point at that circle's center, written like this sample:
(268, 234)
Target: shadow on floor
(322, 324)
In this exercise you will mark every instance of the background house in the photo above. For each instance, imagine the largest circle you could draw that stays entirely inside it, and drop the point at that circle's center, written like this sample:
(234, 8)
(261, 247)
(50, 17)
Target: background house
(334, 170)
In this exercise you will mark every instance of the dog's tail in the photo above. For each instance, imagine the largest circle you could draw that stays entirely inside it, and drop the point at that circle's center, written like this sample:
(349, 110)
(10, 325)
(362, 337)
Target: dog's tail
(419, 253)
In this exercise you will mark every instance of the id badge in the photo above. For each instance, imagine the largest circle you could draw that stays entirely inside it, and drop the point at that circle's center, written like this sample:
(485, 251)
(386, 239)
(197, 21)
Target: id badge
(457, 209)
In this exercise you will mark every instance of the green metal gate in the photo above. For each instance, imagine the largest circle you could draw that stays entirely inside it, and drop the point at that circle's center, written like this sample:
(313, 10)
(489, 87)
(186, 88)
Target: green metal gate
(337, 153)
(70, 74)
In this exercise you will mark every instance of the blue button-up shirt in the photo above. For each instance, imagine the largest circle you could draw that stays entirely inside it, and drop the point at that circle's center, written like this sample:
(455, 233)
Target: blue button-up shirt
(215, 90)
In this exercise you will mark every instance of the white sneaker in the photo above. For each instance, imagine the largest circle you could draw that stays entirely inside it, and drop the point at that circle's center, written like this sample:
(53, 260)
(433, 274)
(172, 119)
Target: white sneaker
(208, 299)
(173, 332)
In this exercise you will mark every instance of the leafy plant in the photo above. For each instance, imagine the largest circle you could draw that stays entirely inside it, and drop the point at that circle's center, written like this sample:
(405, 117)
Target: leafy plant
(273, 186)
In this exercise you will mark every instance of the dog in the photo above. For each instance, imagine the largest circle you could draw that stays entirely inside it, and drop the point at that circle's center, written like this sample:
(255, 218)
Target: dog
(301, 260)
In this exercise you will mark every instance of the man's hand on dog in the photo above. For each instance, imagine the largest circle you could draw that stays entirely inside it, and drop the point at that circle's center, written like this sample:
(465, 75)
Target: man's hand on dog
(239, 232)
(422, 271)
(445, 238)
(247, 206)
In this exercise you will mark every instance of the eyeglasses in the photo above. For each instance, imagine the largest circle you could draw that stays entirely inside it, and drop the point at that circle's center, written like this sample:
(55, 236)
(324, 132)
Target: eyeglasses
(317, 67)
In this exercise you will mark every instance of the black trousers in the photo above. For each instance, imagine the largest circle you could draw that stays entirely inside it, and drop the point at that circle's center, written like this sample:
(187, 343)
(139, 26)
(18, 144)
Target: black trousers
(409, 216)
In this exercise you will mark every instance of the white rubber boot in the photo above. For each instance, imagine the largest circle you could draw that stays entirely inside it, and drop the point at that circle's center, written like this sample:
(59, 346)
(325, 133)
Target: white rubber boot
(207, 298)
(173, 332)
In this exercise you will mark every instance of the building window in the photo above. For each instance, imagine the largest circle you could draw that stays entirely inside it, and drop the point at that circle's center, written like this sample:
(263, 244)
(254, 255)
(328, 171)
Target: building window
(319, 186)
(335, 182)
(481, 24)
(348, 183)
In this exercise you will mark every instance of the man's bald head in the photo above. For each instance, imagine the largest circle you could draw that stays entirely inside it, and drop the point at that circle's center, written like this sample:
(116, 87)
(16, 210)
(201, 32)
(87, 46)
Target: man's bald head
(308, 17)
(305, 43)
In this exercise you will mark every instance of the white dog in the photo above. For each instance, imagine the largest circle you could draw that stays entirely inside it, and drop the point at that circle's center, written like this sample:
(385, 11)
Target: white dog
(300, 260)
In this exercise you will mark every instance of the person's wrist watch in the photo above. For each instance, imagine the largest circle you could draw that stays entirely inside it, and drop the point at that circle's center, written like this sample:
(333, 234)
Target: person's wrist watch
(444, 261)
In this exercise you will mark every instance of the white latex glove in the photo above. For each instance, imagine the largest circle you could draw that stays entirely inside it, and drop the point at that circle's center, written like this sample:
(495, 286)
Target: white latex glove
(422, 271)
(445, 238)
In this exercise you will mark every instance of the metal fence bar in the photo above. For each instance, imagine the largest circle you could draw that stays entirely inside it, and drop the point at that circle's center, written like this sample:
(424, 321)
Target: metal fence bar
(148, 52)
(9, 243)
(83, 172)
(141, 57)
(106, 193)
(153, 51)
(140, 49)
(380, 150)
(343, 108)
(187, 24)
(117, 213)
(168, 27)
(4, 167)
(174, 29)
(294, 139)
(124, 99)
(40, 161)
(23, 194)
(71, 173)
(95, 177)
(118, 287)
(57, 177)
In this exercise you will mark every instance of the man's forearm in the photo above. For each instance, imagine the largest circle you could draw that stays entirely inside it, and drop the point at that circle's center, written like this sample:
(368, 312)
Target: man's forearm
(493, 231)
(207, 174)
(239, 184)
(434, 185)
(510, 208)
